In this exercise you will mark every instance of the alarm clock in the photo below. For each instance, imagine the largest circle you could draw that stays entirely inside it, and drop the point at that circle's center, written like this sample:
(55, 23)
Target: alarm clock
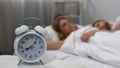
(30, 44)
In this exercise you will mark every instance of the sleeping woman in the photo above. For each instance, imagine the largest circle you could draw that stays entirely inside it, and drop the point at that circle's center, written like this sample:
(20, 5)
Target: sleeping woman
(63, 26)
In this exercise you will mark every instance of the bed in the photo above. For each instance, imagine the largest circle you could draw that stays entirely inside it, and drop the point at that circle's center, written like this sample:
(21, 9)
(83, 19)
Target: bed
(71, 54)
(10, 61)
(97, 57)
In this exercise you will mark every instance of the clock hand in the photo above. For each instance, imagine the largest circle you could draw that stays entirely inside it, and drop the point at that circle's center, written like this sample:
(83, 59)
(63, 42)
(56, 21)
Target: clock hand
(31, 47)
(28, 48)
(35, 41)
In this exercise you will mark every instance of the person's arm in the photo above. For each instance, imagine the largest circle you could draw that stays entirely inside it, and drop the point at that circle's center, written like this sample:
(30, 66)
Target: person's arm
(86, 36)
(54, 45)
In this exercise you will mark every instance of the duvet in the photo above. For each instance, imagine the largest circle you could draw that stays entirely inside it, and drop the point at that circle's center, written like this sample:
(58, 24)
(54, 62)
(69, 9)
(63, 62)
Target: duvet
(103, 46)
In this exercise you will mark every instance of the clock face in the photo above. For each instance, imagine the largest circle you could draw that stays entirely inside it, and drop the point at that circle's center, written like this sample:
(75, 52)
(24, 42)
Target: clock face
(31, 47)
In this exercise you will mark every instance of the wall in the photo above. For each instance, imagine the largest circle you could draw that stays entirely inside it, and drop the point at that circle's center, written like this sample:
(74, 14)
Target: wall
(99, 9)
(13, 12)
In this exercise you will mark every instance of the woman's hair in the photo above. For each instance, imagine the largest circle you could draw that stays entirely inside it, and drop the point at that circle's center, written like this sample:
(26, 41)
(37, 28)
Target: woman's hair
(56, 27)
(60, 14)
(107, 25)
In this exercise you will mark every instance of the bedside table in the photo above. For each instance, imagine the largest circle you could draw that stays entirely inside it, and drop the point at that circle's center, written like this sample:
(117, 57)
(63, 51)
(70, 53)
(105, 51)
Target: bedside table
(7, 61)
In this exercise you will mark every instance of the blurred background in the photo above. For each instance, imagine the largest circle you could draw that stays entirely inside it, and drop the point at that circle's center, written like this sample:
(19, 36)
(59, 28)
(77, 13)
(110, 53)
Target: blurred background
(82, 12)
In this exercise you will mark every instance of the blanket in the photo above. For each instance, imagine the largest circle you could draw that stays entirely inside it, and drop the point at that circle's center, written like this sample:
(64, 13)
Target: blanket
(103, 46)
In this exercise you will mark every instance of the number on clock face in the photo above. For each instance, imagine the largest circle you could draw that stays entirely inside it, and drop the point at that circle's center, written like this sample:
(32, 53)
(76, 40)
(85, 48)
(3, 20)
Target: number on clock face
(31, 47)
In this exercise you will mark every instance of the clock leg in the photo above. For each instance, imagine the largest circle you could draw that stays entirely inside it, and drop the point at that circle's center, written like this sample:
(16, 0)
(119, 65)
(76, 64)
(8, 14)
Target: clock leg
(19, 62)
(41, 62)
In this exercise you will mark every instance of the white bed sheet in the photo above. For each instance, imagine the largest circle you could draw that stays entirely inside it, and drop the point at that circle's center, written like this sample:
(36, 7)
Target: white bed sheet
(58, 55)
(89, 63)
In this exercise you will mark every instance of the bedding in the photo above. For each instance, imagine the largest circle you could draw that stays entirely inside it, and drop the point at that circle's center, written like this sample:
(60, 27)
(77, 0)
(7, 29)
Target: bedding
(56, 55)
(88, 63)
(51, 35)
(102, 50)
(103, 47)
(79, 60)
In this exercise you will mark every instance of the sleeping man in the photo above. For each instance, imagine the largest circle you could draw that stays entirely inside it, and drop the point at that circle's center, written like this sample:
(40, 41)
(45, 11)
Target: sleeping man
(102, 25)
(101, 43)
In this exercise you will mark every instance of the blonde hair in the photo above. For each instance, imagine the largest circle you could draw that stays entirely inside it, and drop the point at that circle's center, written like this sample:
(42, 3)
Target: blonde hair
(55, 26)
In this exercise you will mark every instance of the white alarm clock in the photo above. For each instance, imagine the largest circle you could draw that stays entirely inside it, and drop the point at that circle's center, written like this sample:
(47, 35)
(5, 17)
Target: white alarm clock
(30, 44)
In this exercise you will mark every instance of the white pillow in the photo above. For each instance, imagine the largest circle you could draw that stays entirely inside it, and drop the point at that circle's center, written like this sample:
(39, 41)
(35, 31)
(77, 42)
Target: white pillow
(51, 34)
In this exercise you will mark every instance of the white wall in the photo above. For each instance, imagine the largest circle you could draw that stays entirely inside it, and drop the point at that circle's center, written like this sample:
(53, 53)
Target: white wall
(99, 9)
